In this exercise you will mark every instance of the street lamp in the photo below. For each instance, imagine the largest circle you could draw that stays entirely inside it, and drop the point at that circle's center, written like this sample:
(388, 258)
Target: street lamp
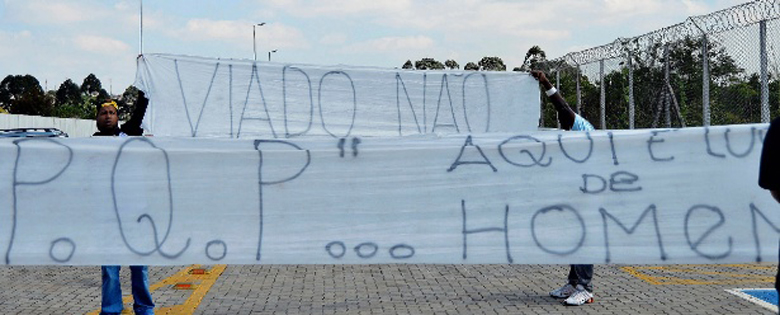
(254, 40)
(269, 54)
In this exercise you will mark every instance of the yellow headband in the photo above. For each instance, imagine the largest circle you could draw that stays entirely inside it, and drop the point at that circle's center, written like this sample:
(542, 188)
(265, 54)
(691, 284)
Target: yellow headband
(111, 103)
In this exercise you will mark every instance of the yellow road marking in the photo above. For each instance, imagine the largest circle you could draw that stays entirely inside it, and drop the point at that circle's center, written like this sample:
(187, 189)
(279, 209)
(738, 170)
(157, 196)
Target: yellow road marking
(202, 282)
(730, 277)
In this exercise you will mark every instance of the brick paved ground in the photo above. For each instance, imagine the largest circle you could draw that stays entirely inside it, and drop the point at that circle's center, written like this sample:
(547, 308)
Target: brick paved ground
(403, 289)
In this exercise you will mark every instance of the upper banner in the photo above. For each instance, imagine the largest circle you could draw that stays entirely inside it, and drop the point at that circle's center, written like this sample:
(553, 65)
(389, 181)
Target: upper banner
(644, 196)
(200, 97)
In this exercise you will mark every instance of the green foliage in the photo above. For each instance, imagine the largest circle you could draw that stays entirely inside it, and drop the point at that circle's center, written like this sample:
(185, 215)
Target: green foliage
(127, 102)
(22, 94)
(734, 94)
(471, 66)
(451, 64)
(68, 92)
(533, 58)
(492, 64)
(428, 64)
(408, 65)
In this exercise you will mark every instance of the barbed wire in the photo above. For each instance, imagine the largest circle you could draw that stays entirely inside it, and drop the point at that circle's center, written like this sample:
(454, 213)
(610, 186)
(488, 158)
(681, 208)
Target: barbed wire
(739, 16)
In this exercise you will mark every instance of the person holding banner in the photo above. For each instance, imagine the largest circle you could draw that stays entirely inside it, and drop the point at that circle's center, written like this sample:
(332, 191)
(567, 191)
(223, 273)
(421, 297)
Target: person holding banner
(111, 303)
(769, 174)
(578, 290)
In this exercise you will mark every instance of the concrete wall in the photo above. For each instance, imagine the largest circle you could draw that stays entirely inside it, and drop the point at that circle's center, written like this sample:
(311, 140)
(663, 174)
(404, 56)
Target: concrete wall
(73, 127)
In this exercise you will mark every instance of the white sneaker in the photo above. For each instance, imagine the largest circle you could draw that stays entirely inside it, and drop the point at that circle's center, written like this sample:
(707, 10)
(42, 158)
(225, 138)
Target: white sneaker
(563, 292)
(579, 297)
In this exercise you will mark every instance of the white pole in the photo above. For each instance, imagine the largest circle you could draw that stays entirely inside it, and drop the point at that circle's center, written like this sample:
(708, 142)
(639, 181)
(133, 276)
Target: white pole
(602, 96)
(254, 38)
(254, 41)
(141, 25)
(765, 115)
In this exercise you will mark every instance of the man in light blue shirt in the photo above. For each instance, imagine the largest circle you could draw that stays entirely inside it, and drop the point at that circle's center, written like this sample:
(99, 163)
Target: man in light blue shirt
(578, 290)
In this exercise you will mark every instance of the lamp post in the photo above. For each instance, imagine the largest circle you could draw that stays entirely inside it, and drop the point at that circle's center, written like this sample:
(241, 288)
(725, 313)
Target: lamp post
(254, 37)
(269, 54)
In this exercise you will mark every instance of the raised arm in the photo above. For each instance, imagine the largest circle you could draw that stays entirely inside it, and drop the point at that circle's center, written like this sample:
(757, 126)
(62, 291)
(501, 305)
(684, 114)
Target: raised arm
(133, 126)
(565, 113)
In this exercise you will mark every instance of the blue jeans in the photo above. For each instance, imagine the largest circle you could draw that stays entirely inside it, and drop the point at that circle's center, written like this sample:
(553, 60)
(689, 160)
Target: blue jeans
(581, 274)
(112, 291)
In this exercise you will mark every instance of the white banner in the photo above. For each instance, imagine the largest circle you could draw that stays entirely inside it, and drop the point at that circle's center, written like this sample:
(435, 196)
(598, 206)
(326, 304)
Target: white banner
(635, 197)
(200, 97)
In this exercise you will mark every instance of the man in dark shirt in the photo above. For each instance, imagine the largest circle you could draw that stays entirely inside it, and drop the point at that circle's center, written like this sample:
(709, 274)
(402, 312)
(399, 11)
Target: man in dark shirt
(108, 125)
(108, 119)
(769, 176)
(579, 289)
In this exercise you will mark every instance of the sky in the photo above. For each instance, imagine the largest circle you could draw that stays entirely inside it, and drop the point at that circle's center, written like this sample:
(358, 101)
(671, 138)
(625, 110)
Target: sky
(55, 40)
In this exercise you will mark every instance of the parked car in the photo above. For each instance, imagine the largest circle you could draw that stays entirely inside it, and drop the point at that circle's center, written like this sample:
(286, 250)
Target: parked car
(32, 133)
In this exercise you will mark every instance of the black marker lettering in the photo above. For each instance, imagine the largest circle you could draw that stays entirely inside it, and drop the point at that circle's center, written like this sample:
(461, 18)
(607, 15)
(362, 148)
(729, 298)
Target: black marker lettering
(354, 102)
(588, 189)
(458, 162)
(749, 149)
(754, 213)
(155, 235)
(287, 132)
(212, 244)
(709, 145)
(398, 84)
(504, 229)
(695, 245)
(650, 210)
(445, 85)
(487, 100)
(560, 208)
(622, 181)
(652, 141)
(262, 182)
(590, 149)
(255, 78)
(533, 158)
(17, 182)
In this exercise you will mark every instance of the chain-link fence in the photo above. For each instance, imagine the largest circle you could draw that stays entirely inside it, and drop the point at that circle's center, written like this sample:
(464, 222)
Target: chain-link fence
(715, 69)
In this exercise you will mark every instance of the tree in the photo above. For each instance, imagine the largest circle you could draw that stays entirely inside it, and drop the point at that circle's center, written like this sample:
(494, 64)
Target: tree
(471, 66)
(533, 57)
(451, 64)
(428, 64)
(34, 102)
(92, 86)
(68, 93)
(492, 64)
(127, 102)
(19, 94)
(408, 65)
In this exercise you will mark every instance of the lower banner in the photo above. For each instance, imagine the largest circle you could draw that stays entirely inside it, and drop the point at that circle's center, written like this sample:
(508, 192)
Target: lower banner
(635, 197)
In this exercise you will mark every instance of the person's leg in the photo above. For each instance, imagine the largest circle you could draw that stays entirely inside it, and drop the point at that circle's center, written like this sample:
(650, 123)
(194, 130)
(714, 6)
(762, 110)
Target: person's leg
(583, 274)
(567, 289)
(573, 278)
(142, 298)
(111, 302)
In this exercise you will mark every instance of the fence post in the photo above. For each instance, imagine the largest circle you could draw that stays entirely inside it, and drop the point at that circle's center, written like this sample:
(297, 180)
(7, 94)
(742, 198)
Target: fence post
(602, 98)
(630, 92)
(764, 78)
(667, 83)
(579, 92)
(705, 82)
(557, 87)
